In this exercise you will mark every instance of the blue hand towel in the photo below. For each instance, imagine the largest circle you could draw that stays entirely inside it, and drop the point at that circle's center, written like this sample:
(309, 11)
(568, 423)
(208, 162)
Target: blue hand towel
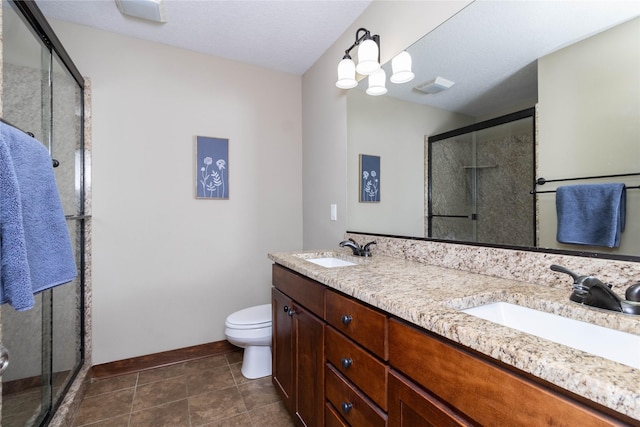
(591, 214)
(36, 252)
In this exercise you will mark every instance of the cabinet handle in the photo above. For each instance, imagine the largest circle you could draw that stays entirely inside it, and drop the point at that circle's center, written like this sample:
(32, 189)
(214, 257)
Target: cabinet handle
(4, 359)
(286, 308)
(346, 407)
(291, 312)
(346, 319)
(346, 362)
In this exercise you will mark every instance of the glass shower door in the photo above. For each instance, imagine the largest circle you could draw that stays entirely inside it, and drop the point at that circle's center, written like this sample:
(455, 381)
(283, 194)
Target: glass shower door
(25, 103)
(480, 182)
(41, 96)
(66, 148)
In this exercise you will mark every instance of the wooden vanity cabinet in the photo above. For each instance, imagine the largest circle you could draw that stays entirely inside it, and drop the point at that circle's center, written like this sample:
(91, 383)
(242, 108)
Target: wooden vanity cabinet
(338, 362)
(410, 406)
(356, 349)
(478, 389)
(298, 345)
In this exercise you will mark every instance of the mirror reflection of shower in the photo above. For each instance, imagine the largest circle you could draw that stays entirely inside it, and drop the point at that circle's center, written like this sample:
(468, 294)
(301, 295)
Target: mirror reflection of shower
(479, 182)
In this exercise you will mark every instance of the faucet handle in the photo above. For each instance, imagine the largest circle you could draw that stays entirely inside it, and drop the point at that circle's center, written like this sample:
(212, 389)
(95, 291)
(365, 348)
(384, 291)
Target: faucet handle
(633, 293)
(565, 270)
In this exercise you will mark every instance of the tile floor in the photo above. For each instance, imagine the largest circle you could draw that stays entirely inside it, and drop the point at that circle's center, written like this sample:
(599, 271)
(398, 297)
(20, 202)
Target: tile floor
(207, 392)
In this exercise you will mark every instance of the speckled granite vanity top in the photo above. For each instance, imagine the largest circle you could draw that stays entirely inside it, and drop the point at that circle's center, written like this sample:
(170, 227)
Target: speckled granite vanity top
(430, 297)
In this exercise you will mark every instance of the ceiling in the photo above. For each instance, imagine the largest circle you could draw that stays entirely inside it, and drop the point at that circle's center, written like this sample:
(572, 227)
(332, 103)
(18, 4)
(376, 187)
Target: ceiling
(286, 36)
(490, 50)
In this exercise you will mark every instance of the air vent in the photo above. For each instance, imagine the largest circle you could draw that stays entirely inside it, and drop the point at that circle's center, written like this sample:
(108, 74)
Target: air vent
(435, 86)
(150, 10)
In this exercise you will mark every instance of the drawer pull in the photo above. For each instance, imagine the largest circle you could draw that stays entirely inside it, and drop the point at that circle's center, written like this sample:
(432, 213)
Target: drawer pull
(346, 407)
(346, 319)
(4, 359)
(346, 362)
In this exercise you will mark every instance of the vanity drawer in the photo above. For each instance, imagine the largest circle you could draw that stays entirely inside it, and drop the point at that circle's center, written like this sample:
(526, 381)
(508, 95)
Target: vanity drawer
(484, 391)
(331, 417)
(354, 406)
(303, 290)
(364, 325)
(359, 366)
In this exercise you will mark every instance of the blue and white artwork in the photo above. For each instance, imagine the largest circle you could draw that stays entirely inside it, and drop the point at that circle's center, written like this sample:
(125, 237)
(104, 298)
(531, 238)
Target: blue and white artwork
(212, 168)
(369, 178)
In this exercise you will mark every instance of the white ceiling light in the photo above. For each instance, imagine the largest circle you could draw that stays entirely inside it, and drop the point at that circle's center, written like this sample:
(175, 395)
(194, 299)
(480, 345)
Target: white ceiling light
(368, 56)
(151, 10)
(377, 83)
(401, 67)
(368, 59)
(435, 86)
(369, 64)
(346, 73)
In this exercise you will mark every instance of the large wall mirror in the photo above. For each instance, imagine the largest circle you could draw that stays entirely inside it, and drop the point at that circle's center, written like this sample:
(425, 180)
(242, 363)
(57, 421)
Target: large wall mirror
(575, 64)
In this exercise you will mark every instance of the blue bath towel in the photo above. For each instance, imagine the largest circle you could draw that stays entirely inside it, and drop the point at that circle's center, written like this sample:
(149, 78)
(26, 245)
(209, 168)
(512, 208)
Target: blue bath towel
(35, 252)
(591, 214)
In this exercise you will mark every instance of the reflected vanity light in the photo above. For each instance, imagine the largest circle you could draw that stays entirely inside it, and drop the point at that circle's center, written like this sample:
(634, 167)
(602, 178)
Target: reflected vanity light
(369, 65)
(401, 67)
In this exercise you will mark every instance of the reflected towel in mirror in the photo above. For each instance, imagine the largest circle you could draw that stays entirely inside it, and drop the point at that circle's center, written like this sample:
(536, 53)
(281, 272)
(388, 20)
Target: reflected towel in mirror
(591, 214)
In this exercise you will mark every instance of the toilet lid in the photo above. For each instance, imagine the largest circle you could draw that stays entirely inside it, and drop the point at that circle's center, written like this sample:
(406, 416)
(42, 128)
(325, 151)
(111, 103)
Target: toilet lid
(256, 317)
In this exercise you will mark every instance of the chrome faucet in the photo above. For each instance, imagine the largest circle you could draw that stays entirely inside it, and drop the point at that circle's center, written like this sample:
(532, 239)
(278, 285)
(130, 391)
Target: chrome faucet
(590, 291)
(356, 248)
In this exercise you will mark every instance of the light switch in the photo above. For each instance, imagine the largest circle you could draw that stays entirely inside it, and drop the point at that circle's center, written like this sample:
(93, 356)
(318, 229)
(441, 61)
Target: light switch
(334, 212)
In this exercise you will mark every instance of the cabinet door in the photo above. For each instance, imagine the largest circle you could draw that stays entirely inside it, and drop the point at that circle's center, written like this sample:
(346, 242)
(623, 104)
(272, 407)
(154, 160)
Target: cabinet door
(283, 347)
(409, 406)
(309, 367)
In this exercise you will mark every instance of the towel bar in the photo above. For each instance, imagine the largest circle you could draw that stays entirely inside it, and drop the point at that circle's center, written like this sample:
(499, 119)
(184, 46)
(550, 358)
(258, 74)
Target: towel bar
(542, 181)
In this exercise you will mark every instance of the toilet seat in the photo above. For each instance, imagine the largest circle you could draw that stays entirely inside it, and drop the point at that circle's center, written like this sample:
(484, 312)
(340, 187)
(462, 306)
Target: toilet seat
(256, 317)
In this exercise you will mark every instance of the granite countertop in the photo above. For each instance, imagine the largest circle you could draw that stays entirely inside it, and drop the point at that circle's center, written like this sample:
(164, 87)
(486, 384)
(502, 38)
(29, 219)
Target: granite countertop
(430, 297)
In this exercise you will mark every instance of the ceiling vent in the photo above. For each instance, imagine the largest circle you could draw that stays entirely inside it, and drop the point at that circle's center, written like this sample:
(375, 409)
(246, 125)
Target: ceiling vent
(150, 10)
(435, 86)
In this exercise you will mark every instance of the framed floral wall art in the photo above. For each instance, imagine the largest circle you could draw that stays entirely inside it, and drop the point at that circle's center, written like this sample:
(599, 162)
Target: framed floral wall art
(369, 178)
(212, 168)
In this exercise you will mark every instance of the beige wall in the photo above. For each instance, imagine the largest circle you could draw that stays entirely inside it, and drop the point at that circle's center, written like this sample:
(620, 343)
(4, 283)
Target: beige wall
(167, 268)
(395, 130)
(589, 122)
(324, 110)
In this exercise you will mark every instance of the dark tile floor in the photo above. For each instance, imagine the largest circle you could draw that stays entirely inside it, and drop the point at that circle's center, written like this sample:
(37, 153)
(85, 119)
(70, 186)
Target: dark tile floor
(207, 392)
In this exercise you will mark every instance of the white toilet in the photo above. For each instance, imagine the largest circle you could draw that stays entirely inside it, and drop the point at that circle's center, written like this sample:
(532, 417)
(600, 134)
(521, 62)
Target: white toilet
(251, 329)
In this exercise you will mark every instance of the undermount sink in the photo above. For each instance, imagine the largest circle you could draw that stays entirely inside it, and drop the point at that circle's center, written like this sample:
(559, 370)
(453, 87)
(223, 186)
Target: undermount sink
(331, 262)
(614, 345)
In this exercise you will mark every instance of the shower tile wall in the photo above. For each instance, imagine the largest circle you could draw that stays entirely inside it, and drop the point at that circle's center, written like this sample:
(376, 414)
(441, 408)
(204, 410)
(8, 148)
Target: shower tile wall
(502, 222)
(504, 167)
(451, 193)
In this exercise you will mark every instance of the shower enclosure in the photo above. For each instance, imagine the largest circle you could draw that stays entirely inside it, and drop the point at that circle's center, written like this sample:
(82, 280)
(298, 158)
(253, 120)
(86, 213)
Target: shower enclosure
(479, 182)
(42, 93)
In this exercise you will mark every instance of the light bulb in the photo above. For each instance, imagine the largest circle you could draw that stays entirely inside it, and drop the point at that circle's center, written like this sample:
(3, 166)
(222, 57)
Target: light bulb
(377, 82)
(401, 66)
(346, 74)
(368, 57)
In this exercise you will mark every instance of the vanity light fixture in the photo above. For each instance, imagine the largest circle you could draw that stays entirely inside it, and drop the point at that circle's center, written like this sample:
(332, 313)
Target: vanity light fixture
(369, 65)
(368, 59)
(151, 10)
